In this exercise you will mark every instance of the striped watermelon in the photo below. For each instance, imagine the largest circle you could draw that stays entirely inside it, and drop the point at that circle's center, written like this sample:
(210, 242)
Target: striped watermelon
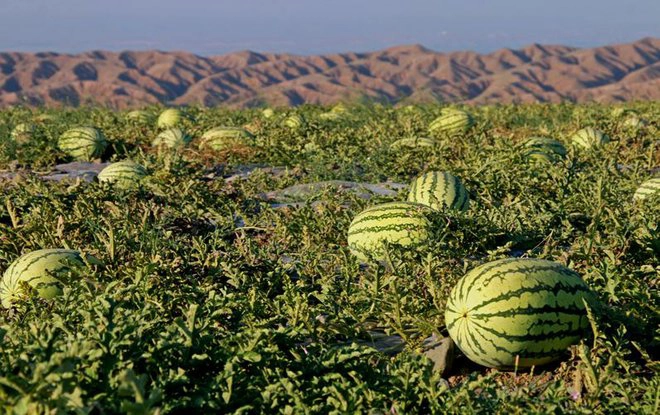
(171, 138)
(339, 109)
(413, 142)
(633, 122)
(397, 223)
(619, 112)
(331, 116)
(548, 145)
(222, 138)
(589, 137)
(294, 121)
(648, 189)
(83, 143)
(123, 174)
(540, 156)
(451, 123)
(39, 270)
(169, 118)
(140, 117)
(514, 311)
(44, 118)
(23, 132)
(439, 190)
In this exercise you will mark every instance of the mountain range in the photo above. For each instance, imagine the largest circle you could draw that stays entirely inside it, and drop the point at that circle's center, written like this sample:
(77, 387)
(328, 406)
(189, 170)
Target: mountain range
(401, 74)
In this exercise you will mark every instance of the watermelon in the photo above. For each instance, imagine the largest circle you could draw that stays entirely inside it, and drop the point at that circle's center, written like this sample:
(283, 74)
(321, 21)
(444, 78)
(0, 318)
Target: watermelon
(83, 143)
(222, 138)
(171, 138)
(439, 190)
(123, 174)
(140, 117)
(413, 142)
(619, 112)
(451, 123)
(397, 223)
(339, 109)
(633, 122)
(39, 270)
(43, 118)
(268, 113)
(648, 189)
(294, 121)
(23, 132)
(540, 156)
(589, 137)
(517, 312)
(331, 116)
(547, 145)
(169, 118)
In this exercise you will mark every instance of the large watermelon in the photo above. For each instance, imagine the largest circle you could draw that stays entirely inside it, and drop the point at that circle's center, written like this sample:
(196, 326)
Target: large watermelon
(123, 174)
(222, 138)
(171, 138)
(439, 190)
(647, 189)
(40, 270)
(83, 143)
(169, 118)
(547, 145)
(397, 223)
(514, 311)
(589, 137)
(451, 123)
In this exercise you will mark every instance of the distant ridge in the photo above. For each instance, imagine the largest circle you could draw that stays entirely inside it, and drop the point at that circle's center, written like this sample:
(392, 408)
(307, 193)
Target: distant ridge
(401, 74)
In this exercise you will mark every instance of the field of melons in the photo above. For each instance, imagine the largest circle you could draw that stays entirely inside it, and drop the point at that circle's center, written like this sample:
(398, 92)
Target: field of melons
(354, 259)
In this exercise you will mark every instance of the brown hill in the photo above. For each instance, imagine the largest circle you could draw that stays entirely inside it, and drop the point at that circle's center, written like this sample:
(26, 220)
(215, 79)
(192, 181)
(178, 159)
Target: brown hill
(413, 73)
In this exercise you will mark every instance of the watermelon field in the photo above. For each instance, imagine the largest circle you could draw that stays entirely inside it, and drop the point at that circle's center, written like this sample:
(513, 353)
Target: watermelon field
(371, 259)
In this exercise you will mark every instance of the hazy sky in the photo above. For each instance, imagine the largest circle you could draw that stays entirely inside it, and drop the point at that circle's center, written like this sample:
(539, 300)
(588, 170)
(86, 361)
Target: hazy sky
(311, 26)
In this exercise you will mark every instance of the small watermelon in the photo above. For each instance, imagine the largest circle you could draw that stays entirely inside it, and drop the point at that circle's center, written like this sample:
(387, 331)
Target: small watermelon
(541, 156)
(648, 189)
(123, 174)
(589, 137)
(413, 142)
(517, 312)
(398, 223)
(548, 145)
(222, 138)
(170, 118)
(294, 121)
(268, 113)
(451, 123)
(171, 138)
(140, 117)
(39, 270)
(83, 143)
(439, 190)
(23, 132)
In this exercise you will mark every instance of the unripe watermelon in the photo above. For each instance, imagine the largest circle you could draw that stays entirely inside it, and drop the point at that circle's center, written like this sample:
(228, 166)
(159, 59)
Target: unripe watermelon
(451, 123)
(648, 189)
(439, 190)
(294, 121)
(589, 137)
(548, 145)
(222, 138)
(23, 132)
(140, 117)
(413, 142)
(171, 138)
(514, 311)
(39, 270)
(169, 118)
(398, 223)
(123, 174)
(83, 143)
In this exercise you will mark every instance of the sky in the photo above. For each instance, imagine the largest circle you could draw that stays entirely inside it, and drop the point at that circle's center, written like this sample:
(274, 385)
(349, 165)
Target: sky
(210, 27)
